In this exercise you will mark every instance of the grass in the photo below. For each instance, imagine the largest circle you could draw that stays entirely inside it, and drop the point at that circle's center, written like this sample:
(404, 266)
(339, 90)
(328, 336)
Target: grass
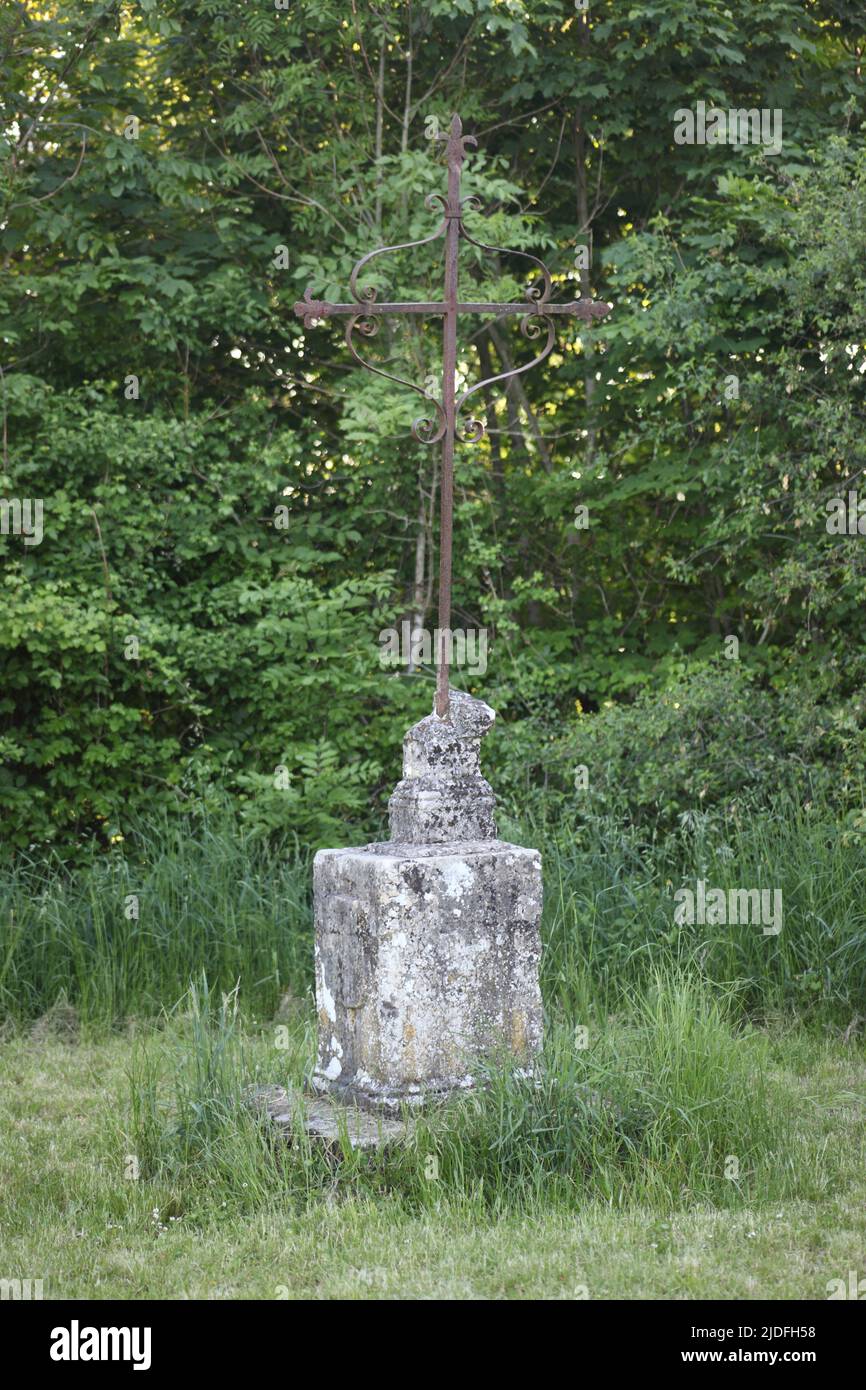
(123, 936)
(610, 906)
(653, 1108)
(695, 1127)
(217, 1211)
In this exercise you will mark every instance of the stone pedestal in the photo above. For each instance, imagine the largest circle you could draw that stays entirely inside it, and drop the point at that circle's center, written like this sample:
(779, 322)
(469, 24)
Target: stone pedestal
(427, 946)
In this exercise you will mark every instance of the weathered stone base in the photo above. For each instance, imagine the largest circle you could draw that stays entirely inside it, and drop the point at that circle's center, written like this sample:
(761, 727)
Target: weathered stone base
(326, 1121)
(426, 963)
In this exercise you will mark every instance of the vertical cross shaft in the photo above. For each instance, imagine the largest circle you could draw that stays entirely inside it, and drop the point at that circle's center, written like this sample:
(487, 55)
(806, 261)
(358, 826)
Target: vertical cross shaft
(449, 369)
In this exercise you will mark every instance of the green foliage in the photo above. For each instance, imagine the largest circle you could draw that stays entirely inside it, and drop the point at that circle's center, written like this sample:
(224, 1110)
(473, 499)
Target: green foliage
(160, 642)
(715, 741)
(160, 397)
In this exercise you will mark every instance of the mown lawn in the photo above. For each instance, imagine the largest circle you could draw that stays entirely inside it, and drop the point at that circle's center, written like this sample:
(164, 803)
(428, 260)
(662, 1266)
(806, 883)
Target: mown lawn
(198, 1228)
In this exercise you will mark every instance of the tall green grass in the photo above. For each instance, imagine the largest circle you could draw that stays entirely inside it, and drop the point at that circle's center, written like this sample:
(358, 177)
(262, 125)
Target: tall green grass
(672, 1101)
(123, 935)
(211, 897)
(609, 911)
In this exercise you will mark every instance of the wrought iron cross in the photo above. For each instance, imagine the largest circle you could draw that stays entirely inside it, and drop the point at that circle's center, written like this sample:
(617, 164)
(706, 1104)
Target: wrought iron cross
(535, 320)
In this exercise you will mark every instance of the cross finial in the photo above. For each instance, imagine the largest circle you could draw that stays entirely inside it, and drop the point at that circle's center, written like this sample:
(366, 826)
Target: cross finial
(455, 151)
(310, 309)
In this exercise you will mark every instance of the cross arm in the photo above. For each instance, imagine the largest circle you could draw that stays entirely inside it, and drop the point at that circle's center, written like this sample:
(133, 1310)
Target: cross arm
(309, 309)
(576, 308)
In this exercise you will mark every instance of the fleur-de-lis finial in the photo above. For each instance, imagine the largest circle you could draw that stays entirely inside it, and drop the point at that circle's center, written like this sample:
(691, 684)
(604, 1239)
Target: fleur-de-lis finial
(309, 308)
(456, 142)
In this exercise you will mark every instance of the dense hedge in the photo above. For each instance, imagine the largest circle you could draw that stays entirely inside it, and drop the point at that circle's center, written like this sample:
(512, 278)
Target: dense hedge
(231, 514)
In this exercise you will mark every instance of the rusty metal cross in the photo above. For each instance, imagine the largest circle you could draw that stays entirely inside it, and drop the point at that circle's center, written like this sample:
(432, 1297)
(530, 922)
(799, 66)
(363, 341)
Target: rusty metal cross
(364, 311)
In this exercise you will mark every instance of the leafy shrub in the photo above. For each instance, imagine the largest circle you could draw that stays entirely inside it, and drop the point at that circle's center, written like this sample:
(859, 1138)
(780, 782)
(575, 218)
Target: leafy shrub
(715, 740)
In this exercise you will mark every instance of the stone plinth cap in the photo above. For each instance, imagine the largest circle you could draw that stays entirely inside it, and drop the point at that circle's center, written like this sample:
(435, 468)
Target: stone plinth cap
(437, 746)
(443, 797)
